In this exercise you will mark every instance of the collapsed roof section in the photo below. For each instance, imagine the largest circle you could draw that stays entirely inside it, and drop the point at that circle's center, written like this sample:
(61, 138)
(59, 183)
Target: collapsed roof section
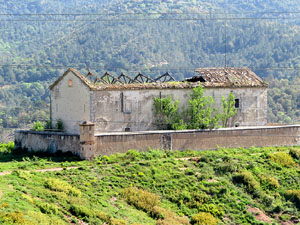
(228, 77)
(208, 77)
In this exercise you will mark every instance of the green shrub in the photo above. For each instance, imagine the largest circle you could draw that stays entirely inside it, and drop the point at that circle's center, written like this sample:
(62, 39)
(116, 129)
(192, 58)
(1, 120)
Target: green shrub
(141, 199)
(132, 155)
(285, 217)
(267, 199)
(294, 195)
(295, 153)
(269, 182)
(10, 146)
(166, 112)
(47, 207)
(59, 125)
(43, 219)
(213, 209)
(283, 159)
(167, 217)
(61, 186)
(204, 218)
(102, 216)
(80, 211)
(13, 218)
(38, 126)
(114, 221)
(23, 174)
(107, 219)
(48, 125)
(226, 167)
(197, 199)
(246, 178)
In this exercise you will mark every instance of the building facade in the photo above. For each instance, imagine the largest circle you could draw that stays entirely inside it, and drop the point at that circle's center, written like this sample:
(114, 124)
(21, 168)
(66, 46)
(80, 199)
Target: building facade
(129, 107)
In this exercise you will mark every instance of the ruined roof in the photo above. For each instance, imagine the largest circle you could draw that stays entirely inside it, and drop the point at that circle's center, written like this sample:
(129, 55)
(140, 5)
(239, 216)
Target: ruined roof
(76, 73)
(139, 86)
(228, 77)
(208, 77)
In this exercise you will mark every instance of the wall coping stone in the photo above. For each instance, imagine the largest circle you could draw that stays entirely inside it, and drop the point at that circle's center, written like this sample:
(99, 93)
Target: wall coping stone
(45, 133)
(159, 131)
(193, 131)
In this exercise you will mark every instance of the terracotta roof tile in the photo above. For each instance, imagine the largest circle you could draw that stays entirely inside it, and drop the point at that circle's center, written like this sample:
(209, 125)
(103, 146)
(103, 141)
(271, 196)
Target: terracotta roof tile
(209, 77)
(230, 77)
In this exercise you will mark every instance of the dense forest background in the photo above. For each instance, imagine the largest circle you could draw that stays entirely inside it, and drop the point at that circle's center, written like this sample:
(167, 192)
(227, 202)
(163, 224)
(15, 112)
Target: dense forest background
(40, 39)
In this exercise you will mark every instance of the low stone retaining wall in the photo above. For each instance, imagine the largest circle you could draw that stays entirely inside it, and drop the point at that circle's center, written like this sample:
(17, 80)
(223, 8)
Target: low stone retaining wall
(198, 139)
(47, 141)
(89, 145)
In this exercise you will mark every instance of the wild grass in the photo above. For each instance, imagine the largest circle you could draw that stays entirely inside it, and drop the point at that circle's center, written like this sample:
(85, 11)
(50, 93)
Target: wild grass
(294, 195)
(204, 218)
(283, 159)
(153, 187)
(295, 153)
(62, 186)
(141, 199)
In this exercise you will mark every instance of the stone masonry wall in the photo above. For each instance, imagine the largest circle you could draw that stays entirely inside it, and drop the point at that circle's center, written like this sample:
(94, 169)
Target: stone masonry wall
(47, 141)
(111, 143)
(198, 139)
(121, 110)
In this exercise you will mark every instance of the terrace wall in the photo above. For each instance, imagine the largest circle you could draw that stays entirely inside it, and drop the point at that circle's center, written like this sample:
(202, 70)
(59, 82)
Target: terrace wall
(111, 143)
(47, 141)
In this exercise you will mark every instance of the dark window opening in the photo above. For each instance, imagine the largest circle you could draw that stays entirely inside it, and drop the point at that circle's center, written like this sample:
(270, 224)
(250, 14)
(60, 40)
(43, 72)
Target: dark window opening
(122, 101)
(236, 103)
(127, 129)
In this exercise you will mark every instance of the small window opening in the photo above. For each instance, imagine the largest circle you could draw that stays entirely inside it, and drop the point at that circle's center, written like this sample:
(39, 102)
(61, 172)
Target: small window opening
(122, 101)
(70, 83)
(127, 129)
(237, 103)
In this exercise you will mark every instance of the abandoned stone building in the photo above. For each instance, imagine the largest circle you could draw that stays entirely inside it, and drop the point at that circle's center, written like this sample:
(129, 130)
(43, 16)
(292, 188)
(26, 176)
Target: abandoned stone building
(113, 105)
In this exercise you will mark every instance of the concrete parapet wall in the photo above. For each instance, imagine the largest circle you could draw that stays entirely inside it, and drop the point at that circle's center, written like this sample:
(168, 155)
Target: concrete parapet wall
(47, 141)
(111, 143)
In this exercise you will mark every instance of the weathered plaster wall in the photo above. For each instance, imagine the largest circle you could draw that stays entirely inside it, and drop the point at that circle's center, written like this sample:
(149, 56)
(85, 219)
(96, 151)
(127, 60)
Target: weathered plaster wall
(47, 141)
(88, 147)
(107, 144)
(71, 104)
(117, 110)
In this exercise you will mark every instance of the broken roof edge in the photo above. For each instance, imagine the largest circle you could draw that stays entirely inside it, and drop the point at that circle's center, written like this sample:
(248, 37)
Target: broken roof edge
(232, 76)
(76, 73)
(167, 85)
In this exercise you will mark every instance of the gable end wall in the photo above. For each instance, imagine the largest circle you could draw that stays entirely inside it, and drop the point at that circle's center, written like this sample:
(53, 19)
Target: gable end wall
(70, 104)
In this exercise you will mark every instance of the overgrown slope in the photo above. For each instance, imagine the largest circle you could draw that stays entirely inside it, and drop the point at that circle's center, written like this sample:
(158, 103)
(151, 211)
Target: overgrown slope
(40, 39)
(227, 186)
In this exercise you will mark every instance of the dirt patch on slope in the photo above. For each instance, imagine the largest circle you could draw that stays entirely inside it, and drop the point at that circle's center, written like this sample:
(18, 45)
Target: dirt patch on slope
(259, 215)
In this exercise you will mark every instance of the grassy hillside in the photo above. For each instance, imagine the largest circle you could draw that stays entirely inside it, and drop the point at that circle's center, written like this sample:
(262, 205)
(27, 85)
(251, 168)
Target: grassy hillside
(228, 186)
(40, 39)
